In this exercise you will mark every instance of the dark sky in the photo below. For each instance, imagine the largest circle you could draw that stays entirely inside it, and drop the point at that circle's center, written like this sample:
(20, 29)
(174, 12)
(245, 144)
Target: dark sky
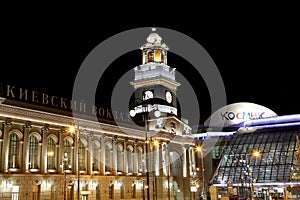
(258, 59)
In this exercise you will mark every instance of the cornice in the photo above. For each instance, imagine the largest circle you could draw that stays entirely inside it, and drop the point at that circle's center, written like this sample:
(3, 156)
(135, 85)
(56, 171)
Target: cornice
(56, 120)
(155, 81)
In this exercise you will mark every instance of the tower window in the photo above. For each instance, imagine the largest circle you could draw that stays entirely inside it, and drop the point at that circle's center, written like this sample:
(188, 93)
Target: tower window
(157, 55)
(150, 57)
(163, 55)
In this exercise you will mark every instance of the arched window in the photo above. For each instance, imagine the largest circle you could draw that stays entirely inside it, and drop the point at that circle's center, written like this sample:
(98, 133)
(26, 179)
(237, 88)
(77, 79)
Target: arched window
(13, 157)
(140, 159)
(95, 156)
(33, 152)
(51, 153)
(108, 157)
(81, 158)
(120, 158)
(130, 159)
(176, 164)
(68, 150)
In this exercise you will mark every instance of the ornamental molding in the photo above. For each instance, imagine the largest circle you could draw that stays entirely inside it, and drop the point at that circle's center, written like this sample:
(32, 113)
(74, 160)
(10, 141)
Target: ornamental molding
(156, 81)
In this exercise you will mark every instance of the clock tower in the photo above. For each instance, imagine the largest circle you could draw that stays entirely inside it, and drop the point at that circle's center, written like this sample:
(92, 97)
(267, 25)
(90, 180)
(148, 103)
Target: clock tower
(154, 81)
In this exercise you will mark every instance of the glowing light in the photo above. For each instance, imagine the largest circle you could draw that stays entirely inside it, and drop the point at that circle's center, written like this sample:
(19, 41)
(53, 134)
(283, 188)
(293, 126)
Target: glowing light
(72, 129)
(198, 148)
(132, 113)
(157, 56)
(256, 153)
(156, 142)
(50, 153)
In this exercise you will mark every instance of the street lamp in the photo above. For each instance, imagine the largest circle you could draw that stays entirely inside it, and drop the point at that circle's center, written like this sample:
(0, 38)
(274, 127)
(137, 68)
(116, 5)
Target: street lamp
(145, 119)
(199, 149)
(75, 130)
(255, 154)
(65, 166)
(145, 114)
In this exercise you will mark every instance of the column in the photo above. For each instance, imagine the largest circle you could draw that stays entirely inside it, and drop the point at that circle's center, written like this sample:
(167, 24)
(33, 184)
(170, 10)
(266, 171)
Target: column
(168, 166)
(135, 160)
(158, 159)
(165, 158)
(44, 150)
(114, 157)
(90, 155)
(26, 130)
(5, 150)
(184, 164)
(102, 156)
(166, 57)
(76, 151)
(125, 164)
(60, 149)
(144, 57)
(192, 161)
(57, 158)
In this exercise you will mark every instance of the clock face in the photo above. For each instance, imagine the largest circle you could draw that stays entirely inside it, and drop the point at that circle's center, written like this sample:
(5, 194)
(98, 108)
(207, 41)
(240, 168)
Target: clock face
(147, 95)
(168, 96)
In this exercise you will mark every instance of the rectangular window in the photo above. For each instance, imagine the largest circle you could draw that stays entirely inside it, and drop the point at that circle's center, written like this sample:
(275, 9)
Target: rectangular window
(122, 191)
(111, 191)
(15, 192)
(133, 191)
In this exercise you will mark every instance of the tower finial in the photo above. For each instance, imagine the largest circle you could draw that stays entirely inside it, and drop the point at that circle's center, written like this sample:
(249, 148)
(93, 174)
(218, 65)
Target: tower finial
(153, 29)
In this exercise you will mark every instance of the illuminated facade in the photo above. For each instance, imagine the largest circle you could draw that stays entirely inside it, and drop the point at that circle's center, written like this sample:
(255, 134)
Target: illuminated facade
(42, 158)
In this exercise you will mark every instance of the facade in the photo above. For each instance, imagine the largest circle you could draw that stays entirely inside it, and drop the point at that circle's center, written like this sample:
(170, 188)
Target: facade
(45, 153)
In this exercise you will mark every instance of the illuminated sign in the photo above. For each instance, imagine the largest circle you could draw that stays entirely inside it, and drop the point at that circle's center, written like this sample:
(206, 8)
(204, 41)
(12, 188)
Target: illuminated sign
(61, 103)
(233, 115)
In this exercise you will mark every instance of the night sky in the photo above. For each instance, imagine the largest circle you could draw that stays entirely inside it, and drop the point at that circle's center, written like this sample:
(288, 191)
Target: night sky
(257, 59)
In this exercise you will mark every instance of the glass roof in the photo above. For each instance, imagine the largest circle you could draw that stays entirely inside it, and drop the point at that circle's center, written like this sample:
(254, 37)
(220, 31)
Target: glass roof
(277, 160)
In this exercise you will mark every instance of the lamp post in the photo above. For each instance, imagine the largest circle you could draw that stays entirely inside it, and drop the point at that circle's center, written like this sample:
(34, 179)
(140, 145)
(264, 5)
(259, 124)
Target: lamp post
(145, 106)
(255, 154)
(64, 166)
(75, 130)
(145, 119)
(199, 149)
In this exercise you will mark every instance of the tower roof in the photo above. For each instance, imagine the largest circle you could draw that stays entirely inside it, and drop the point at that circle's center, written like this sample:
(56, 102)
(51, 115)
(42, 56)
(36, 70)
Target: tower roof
(154, 41)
